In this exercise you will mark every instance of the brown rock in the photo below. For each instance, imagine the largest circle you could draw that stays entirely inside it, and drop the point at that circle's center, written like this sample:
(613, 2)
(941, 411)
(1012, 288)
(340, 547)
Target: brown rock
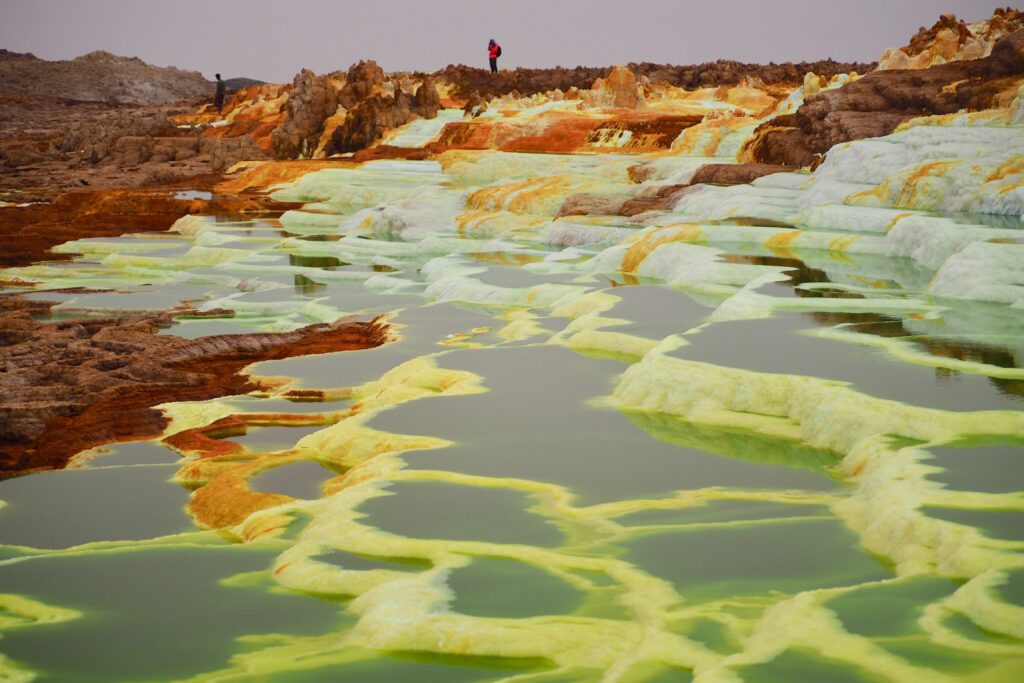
(368, 121)
(590, 204)
(131, 150)
(311, 102)
(877, 103)
(475, 105)
(21, 155)
(1007, 58)
(735, 174)
(427, 101)
(226, 152)
(572, 81)
(638, 205)
(361, 81)
(99, 77)
(618, 89)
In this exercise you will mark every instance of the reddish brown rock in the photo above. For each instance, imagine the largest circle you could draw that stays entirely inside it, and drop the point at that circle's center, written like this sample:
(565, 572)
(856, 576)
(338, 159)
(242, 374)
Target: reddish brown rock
(590, 204)
(877, 103)
(367, 122)
(735, 174)
(475, 104)
(311, 102)
(75, 384)
(527, 82)
(638, 205)
(361, 81)
(28, 232)
(369, 118)
(426, 100)
(618, 89)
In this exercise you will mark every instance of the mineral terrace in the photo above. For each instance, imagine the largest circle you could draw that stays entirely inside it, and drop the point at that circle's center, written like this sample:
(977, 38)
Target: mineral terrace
(728, 354)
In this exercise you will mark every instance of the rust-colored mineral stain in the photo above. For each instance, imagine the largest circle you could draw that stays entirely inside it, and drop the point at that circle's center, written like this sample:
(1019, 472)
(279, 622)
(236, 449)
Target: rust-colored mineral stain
(641, 249)
(210, 441)
(227, 501)
(1012, 166)
(29, 232)
(779, 243)
(908, 192)
(102, 377)
(260, 176)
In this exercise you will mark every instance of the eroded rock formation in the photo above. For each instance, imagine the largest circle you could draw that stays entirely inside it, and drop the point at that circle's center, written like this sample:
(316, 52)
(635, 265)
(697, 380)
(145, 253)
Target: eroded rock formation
(375, 107)
(312, 101)
(877, 103)
(950, 39)
(618, 89)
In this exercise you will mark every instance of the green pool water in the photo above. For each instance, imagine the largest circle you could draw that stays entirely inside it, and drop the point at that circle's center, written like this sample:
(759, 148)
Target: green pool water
(555, 471)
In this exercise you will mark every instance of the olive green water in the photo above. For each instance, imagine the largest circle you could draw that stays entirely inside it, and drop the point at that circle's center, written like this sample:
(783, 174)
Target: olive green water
(555, 528)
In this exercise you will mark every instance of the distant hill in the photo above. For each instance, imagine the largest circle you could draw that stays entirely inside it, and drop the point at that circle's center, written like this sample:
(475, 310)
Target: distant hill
(239, 83)
(101, 77)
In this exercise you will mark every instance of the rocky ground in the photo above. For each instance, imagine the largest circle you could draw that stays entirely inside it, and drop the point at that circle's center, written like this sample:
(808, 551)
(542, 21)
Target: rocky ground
(42, 157)
(77, 383)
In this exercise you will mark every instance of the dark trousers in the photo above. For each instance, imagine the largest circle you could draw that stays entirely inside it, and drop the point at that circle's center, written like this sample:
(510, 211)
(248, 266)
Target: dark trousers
(494, 65)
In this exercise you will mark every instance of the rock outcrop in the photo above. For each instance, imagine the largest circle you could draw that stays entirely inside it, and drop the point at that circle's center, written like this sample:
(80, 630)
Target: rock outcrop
(618, 90)
(952, 40)
(877, 103)
(375, 106)
(226, 152)
(735, 174)
(311, 102)
(426, 99)
(362, 80)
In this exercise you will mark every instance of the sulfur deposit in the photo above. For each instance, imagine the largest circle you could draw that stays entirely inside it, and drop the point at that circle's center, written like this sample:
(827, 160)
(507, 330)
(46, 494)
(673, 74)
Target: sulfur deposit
(642, 374)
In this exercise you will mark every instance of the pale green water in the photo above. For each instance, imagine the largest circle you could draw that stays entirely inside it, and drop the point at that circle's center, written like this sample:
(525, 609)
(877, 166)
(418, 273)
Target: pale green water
(567, 521)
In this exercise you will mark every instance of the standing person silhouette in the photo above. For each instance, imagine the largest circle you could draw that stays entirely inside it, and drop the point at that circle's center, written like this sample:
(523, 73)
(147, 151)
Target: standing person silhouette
(493, 52)
(218, 98)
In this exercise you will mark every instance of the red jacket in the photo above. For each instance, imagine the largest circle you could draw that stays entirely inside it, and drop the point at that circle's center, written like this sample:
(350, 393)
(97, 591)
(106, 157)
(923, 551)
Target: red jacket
(492, 51)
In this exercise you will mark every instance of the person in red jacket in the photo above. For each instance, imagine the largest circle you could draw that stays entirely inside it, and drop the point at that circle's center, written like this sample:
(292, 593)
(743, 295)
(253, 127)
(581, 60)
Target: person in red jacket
(493, 52)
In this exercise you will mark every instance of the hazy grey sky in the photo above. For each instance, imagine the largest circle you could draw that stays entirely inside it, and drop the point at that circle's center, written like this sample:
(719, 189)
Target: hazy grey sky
(273, 40)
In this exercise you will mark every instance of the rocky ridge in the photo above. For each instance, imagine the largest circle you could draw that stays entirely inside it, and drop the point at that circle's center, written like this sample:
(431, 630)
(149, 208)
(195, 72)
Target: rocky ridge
(952, 40)
(877, 103)
(99, 77)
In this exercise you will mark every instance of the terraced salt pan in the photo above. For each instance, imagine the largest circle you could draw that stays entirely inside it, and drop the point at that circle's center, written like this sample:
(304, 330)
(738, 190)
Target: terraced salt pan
(421, 131)
(546, 424)
(344, 191)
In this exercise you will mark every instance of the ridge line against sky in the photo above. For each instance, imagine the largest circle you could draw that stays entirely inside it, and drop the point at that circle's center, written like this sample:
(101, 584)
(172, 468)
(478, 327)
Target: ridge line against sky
(273, 41)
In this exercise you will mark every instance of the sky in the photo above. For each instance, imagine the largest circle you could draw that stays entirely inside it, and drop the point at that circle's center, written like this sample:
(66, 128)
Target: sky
(274, 40)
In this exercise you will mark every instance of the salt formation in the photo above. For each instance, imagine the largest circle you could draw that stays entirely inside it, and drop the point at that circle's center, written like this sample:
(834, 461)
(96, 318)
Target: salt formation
(735, 431)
